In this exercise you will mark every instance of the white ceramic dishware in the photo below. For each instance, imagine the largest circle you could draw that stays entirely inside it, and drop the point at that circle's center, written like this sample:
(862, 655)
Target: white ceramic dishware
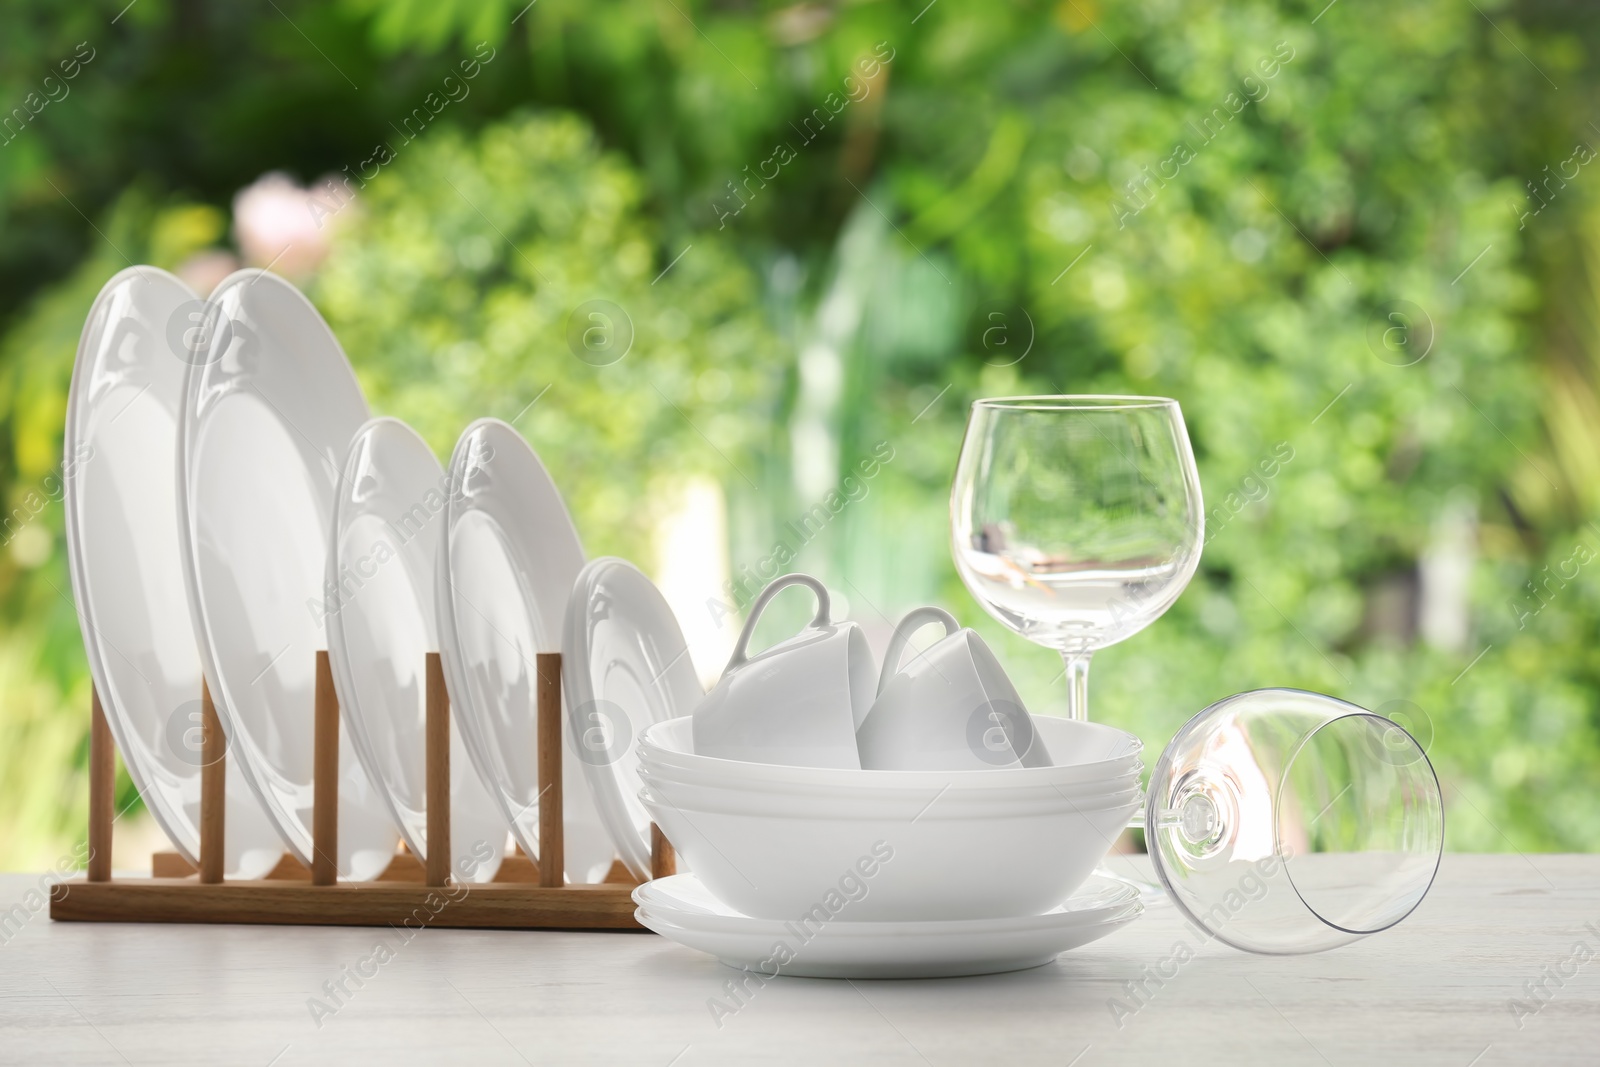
(799, 701)
(801, 801)
(951, 708)
(381, 626)
(117, 490)
(508, 558)
(750, 782)
(958, 853)
(625, 666)
(270, 406)
(827, 940)
(1085, 754)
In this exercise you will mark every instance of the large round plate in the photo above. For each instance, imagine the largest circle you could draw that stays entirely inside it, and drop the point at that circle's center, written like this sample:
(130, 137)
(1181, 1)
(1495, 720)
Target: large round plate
(825, 943)
(625, 666)
(270, 408)
(508, 558)
(127, 571)
(385, 546)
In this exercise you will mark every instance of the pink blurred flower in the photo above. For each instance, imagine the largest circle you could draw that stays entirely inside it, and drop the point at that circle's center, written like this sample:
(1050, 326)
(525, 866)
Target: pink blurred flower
(273, 225)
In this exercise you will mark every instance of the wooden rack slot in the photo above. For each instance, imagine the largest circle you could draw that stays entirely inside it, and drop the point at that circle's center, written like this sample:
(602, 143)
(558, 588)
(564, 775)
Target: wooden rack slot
(523, 894)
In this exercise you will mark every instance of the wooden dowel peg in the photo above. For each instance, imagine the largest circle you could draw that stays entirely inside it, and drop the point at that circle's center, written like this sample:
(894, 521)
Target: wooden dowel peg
(325, 778)
(663, 860)
(102, 790)
(552, 857)
(437, 771)
(213, 788)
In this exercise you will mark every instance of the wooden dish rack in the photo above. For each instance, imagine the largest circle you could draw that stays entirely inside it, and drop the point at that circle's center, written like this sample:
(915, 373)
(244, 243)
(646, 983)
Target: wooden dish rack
(523, 894)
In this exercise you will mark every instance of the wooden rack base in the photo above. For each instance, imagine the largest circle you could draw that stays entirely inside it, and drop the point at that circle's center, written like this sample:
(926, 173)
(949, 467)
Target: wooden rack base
(409, 893)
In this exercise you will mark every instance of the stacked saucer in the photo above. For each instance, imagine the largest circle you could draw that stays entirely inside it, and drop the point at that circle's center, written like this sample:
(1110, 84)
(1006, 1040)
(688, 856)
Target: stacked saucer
(682, 909)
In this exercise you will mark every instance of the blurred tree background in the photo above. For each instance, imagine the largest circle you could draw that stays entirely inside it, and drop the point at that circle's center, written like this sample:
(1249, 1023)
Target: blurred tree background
(1363, 237)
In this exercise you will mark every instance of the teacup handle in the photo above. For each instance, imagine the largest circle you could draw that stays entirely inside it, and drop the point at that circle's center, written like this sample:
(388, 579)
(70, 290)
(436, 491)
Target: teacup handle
(742, 645)
(914, 620)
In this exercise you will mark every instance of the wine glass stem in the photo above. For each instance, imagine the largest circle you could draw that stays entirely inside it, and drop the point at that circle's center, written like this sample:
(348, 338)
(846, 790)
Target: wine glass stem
(1077, 684)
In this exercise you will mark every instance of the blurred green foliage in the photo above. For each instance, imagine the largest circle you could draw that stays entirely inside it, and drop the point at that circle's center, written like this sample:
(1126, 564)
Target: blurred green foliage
(551, 315)
(869, 214)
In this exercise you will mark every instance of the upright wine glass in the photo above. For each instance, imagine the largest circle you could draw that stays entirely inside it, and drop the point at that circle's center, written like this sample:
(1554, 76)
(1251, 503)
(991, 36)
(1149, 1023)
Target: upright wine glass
(1076, 520)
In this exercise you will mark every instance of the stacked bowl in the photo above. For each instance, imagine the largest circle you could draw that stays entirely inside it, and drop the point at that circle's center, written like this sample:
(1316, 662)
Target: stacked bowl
(770, 839)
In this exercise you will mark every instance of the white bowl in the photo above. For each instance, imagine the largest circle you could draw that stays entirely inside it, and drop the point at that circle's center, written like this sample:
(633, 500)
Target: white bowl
(878, 800)
(955, 860)
(1084, 753)
(792, 801)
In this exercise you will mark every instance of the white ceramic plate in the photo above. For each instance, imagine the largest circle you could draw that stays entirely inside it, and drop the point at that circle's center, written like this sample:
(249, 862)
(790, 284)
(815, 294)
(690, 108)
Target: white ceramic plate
(385, 545)
(826, 943)
(270, 408)
(508, 558)
(127, 571)
(625, 666)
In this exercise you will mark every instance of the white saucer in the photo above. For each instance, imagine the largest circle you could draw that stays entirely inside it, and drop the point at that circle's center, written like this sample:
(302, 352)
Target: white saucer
(270, 407)
(680, 909)
(625, 666)
(508, 556)
(385, 546)
(127, 570)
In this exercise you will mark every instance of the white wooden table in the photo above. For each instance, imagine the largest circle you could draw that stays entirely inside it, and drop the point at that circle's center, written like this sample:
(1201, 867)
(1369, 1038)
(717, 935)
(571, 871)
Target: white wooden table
(1439, 989)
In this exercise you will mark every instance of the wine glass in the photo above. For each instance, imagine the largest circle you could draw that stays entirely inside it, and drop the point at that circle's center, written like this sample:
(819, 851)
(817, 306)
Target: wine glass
(1280, 821)
(1283, 821)
(1076, 520)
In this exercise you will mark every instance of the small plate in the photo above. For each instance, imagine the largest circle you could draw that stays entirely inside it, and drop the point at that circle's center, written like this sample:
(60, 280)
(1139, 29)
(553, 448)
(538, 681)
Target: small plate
(625, 666)
(270, 407)
(826, 944)
(385, 546)
(127, 571)
(508, 557)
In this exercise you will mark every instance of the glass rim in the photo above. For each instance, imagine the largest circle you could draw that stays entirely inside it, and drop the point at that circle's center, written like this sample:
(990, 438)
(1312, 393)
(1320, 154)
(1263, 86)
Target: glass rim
(1075, 402)
(1277, 827)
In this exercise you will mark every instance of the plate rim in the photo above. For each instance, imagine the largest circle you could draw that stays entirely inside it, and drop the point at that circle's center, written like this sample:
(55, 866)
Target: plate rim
(463, 709)
(1132, 901)
(577, 653)
(192, 414)
(77, 567)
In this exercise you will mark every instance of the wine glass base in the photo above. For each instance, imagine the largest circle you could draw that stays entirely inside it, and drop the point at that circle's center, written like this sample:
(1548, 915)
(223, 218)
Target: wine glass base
(1151, 894)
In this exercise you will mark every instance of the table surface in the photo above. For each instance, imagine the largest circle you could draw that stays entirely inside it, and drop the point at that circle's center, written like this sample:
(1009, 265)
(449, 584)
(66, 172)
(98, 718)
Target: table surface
(1447, 986)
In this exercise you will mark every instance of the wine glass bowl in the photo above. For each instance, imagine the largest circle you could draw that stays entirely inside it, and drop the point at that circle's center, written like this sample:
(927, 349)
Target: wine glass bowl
(1076, 521)
(1283, 821)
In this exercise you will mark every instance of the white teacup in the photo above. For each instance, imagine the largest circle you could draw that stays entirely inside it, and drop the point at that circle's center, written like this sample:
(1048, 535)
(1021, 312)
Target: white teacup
(796, 703)
(952, 707)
